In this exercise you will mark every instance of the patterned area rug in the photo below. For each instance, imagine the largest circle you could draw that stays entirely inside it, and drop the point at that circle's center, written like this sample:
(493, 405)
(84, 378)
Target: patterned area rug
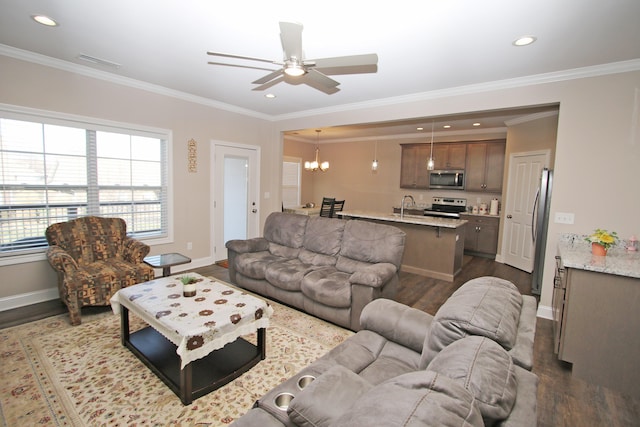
(59, 375)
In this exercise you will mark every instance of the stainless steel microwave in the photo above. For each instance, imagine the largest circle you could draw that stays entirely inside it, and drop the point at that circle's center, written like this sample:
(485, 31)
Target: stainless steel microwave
(449, 179)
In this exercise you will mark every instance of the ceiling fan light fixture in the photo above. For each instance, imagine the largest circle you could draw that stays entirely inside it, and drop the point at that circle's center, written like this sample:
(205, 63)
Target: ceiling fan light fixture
(293, 68)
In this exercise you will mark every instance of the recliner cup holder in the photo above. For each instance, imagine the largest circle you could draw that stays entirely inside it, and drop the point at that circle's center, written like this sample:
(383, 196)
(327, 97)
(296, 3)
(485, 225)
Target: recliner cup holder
(282, 400)
(305, 380)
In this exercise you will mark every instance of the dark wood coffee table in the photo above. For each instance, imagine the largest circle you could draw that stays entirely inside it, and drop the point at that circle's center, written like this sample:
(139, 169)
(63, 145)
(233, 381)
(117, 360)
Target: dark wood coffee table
(193, 344)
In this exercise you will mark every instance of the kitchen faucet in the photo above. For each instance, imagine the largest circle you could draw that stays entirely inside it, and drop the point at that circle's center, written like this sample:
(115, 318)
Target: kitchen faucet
(413, 203)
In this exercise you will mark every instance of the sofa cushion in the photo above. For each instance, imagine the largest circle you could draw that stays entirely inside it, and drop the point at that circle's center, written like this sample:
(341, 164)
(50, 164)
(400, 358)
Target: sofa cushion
(370, 242)
(484, 368)
(421, 398)
(324, 235)
(327, 286)
(327, 397)
(287, 274)
(485, 306)
(285, 229)
(254, 264)
(314, 258)
(283, 251)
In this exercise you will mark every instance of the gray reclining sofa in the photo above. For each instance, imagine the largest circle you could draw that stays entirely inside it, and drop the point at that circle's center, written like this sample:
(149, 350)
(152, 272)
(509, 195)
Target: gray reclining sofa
(469, 365)
(328, 267)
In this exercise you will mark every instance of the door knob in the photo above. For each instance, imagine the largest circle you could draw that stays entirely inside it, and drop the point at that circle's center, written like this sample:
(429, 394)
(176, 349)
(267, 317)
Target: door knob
(509, 216)
(254, 210)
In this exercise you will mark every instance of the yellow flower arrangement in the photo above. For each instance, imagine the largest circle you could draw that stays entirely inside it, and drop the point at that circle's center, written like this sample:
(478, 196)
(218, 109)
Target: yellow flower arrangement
(603, 237)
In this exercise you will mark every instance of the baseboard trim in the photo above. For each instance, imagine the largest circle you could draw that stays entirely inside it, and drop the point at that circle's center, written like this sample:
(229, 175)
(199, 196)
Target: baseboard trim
(545, 312)
(29, 298)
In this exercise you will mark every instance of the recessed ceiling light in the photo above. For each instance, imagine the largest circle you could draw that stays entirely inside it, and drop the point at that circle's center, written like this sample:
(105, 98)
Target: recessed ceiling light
(270, 96)
(524, 40)
(446, 126)
(476, 124)
(44, 20)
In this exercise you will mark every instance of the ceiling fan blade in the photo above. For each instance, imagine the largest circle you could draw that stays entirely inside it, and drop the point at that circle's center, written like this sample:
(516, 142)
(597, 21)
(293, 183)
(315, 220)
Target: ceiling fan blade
(321, 79)
(269, 84)
(344, 61)
(239, 66)
(250, 58)
(268, 77)
(291, 38)
(329, 90)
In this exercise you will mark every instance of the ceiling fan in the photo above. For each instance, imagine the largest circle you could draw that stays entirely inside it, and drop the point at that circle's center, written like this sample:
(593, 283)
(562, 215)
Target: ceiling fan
(295, 69)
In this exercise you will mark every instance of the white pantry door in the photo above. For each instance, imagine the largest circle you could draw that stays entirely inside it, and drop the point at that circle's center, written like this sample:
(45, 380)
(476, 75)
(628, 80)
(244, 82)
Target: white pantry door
(524, 179)
(236, 186)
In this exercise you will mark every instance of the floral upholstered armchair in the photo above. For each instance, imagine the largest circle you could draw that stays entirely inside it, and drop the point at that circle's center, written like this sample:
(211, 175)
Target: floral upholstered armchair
(94, 258)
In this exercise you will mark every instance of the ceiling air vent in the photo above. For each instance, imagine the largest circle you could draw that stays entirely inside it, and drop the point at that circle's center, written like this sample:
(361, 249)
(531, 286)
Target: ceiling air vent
(98, 61)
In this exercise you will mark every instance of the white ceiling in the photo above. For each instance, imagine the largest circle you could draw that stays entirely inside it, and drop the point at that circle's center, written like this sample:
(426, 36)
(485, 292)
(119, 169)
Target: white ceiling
(423, 46)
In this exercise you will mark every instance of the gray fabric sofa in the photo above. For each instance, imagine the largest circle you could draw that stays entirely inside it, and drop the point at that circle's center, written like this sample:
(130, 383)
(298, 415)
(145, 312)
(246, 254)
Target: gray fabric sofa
(328, 267)
(469, 365)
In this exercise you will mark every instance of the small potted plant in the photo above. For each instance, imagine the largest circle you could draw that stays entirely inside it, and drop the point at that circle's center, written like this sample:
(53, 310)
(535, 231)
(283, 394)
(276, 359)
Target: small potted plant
(601, 240)
(189, 286)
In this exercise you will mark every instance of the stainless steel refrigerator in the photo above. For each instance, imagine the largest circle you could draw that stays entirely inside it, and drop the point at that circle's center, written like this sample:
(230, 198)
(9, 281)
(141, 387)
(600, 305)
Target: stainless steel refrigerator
(539, 228)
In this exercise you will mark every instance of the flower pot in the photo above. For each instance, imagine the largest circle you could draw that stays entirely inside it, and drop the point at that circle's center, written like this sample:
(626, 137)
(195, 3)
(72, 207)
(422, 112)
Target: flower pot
(598, 249)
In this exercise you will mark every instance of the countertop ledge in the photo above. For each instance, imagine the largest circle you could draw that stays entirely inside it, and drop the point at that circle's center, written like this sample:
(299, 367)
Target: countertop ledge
(576, 253)
(407, 219)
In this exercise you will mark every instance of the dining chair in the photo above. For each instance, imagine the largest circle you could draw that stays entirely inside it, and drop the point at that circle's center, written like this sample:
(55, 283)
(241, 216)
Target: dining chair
(327, 206)
(337, 207)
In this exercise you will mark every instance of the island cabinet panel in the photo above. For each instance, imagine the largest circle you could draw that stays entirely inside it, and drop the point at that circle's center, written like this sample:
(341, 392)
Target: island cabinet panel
(481, 235)
(413, 167)
(485, 166)
(448, 156)
(597, 321)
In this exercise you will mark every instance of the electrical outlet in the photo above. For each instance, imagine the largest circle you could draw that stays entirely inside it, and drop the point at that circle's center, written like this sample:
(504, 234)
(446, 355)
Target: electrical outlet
(564, 218)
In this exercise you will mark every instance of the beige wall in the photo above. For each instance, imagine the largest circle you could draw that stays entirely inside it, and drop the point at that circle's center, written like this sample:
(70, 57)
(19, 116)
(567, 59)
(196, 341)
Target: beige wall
(28, 85)
(594, 137)
(596, 123)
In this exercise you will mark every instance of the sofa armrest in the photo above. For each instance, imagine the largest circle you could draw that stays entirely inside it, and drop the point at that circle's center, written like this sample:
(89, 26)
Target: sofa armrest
(397, 322)
(60, 260)
(135, 250)
(257, 244)
(522, 351)
(375, 275)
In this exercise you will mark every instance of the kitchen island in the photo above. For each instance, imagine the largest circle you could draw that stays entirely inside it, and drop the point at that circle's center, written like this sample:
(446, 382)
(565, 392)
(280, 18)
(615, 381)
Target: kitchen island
(433, 247)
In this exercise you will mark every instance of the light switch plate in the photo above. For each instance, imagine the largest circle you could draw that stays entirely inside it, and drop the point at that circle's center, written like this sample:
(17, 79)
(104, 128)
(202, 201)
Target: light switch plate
(564, 218)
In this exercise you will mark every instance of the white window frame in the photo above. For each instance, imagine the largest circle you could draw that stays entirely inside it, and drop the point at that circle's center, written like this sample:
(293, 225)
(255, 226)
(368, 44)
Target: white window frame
(63, 119)
(298, 161)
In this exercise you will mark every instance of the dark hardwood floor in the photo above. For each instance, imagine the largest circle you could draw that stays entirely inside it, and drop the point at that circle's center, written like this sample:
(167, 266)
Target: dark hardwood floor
(562, 399)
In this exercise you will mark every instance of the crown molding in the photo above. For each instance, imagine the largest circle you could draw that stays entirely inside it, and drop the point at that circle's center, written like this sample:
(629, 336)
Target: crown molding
(83, 70)
(571, 74)
(536, 79)
(530, 118)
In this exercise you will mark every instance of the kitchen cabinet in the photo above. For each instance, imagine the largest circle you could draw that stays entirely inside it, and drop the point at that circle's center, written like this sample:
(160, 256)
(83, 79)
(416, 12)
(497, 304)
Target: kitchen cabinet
(597, 322)
(447, 156)
(413, 166)
(485, 166)
(481, 235)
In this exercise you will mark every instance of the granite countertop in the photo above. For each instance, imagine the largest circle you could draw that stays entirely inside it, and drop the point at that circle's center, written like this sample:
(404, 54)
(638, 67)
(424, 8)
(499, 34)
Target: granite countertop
(479, 214)
(576, 253)
(407, 219)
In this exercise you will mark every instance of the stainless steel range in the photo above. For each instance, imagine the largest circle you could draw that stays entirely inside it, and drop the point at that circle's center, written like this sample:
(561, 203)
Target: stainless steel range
(446, 207)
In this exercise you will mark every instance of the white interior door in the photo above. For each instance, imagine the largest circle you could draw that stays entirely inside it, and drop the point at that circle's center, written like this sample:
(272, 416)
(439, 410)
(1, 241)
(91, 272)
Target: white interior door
(235, 195)
(524, 179)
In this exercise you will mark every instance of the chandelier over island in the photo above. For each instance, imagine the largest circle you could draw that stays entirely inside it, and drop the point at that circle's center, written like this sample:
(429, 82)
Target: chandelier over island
(316, 165)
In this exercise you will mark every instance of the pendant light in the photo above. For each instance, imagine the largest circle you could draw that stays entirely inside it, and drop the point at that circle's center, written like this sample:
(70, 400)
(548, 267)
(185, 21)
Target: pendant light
(431, 164)
(316, 165)
(374, 164)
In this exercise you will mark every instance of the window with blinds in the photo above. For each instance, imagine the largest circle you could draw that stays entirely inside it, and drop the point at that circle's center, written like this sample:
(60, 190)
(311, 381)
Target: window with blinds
(54, 170)
(291, 168)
